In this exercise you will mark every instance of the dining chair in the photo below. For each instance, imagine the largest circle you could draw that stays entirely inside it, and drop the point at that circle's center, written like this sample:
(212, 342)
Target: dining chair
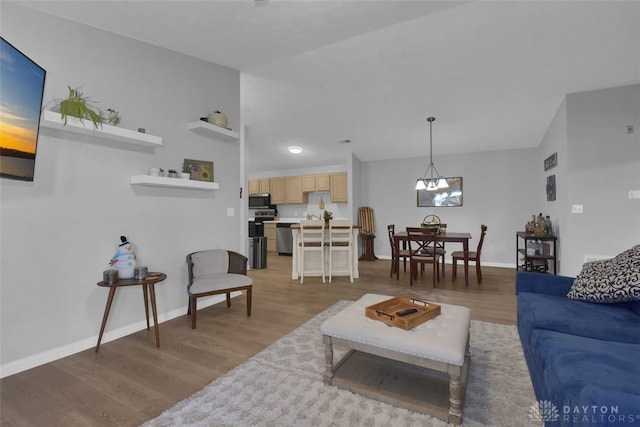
(311, 240)
(422, 251)
(341, 240)
(471, 256)
(396, 254)
(214, 272)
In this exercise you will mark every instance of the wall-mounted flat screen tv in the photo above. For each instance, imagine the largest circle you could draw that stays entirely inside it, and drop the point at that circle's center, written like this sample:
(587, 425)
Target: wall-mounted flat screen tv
(22, 88)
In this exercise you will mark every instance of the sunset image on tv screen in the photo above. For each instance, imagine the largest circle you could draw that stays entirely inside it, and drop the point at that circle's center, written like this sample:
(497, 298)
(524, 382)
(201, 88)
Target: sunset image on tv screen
(21, 90)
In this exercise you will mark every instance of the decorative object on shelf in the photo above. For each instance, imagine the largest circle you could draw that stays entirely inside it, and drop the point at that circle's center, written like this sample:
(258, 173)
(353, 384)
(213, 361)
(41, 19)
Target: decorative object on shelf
(76, 105)
(110, 276)
(185, 175)
(433, 182)
(141, 130)
(161, 172)
(124, 260)
(451, 196)
(173, 173)
(539, 225)
(218, 118)
(551, 188)
(199, 170)
(551, 161)
(154, 172)
(113, 117)
(140, 272)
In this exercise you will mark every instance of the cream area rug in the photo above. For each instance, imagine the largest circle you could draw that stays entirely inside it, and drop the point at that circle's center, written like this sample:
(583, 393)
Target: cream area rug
(283, 386)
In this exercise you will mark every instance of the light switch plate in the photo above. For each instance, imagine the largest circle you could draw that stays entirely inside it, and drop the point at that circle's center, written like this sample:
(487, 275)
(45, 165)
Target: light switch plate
(634, 194)
(576, 208)
(231, 212)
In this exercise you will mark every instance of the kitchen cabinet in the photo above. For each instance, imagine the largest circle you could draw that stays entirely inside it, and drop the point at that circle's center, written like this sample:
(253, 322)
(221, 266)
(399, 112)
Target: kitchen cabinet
(265, 186)
(323, 182)
(339, 188)
(308, 183)
(278, 187)
(259, 186)
(254, 186)
(270, 234)
(294, 190)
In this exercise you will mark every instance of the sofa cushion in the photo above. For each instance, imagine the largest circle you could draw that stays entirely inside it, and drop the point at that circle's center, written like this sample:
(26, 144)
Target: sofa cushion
(571, 366)
(614, 322)
(607, 281)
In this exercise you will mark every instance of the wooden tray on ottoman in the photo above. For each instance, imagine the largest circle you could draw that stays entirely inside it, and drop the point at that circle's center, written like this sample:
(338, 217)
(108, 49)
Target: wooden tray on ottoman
(387, 312)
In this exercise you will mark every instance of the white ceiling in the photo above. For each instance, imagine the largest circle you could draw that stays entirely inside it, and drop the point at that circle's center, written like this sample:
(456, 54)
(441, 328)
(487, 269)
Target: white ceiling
(316, 72)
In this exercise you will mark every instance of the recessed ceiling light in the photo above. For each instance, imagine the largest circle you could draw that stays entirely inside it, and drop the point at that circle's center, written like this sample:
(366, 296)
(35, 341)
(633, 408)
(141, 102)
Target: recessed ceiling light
(294, 149)
(345, 141)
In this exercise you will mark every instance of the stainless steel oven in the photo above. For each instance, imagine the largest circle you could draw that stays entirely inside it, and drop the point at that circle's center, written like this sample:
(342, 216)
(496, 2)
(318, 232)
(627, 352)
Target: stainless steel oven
(256, 227)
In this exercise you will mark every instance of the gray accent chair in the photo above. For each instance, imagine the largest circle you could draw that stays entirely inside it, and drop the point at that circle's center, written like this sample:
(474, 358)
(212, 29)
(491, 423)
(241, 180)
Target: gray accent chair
(214, 272)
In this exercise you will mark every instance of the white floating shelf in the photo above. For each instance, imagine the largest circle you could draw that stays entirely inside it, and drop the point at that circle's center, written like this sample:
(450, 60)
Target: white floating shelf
(53, 120)
(213, 131)
(160, 181)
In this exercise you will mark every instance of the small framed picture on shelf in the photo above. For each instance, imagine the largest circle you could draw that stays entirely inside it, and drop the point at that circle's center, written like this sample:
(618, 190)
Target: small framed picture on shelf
(199, 170)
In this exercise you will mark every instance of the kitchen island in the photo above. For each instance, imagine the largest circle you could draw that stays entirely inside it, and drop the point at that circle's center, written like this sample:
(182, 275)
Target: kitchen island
(312, 260)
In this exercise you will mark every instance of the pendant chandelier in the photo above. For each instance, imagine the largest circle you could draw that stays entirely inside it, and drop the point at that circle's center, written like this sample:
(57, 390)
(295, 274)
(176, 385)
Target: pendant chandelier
(431, 180)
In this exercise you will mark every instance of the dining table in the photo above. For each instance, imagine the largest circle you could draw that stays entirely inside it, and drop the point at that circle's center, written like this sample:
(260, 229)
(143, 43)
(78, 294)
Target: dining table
(401, 237)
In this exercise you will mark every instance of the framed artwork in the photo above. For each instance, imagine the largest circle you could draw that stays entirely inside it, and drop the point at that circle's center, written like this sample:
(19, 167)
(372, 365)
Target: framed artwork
(551, 161)
(451, 196)
(200, 170)
(551, 188)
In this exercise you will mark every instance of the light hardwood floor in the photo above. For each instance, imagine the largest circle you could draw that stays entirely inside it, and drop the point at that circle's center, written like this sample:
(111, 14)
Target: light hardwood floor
(131, 381)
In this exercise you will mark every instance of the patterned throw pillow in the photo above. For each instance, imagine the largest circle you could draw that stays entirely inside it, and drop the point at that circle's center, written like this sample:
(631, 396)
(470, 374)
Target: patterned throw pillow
(609, 281)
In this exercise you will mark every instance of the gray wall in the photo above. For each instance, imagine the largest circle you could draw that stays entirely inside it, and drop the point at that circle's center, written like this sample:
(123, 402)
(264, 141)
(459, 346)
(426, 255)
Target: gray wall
(555, 141)
(59, 231)
(603, 165)
(498, 190)
(598, 163)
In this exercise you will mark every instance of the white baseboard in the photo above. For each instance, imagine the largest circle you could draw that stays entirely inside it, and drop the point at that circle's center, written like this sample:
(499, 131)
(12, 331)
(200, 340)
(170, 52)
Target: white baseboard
(29, 362)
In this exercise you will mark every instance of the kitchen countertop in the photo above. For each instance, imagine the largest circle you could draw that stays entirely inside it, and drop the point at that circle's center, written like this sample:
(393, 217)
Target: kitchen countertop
(286, 220)
(289, 220)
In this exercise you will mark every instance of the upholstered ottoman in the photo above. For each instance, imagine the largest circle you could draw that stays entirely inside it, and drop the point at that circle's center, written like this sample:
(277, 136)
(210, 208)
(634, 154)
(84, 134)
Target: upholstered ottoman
(424, 369)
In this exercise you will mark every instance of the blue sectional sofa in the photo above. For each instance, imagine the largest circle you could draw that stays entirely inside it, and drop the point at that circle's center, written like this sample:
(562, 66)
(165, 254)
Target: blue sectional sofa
(583, 357)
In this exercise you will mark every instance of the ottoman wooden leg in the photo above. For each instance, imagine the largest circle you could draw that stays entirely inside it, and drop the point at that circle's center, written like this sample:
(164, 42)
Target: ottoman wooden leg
(455, 395)
(328, 359)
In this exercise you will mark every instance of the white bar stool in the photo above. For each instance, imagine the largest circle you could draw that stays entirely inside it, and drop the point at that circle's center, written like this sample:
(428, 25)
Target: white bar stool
(341, 240)
(311, 240)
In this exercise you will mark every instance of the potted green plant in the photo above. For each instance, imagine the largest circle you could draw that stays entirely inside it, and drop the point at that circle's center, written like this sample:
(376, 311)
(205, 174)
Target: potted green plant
(76, 106)
(173, 173)
(328, 216)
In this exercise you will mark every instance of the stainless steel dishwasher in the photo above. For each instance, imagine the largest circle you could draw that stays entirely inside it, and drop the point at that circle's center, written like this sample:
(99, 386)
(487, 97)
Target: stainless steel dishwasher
(284, 238)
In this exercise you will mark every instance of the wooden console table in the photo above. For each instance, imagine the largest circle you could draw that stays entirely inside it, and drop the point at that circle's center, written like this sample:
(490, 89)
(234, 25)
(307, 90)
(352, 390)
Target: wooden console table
(148, 288)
